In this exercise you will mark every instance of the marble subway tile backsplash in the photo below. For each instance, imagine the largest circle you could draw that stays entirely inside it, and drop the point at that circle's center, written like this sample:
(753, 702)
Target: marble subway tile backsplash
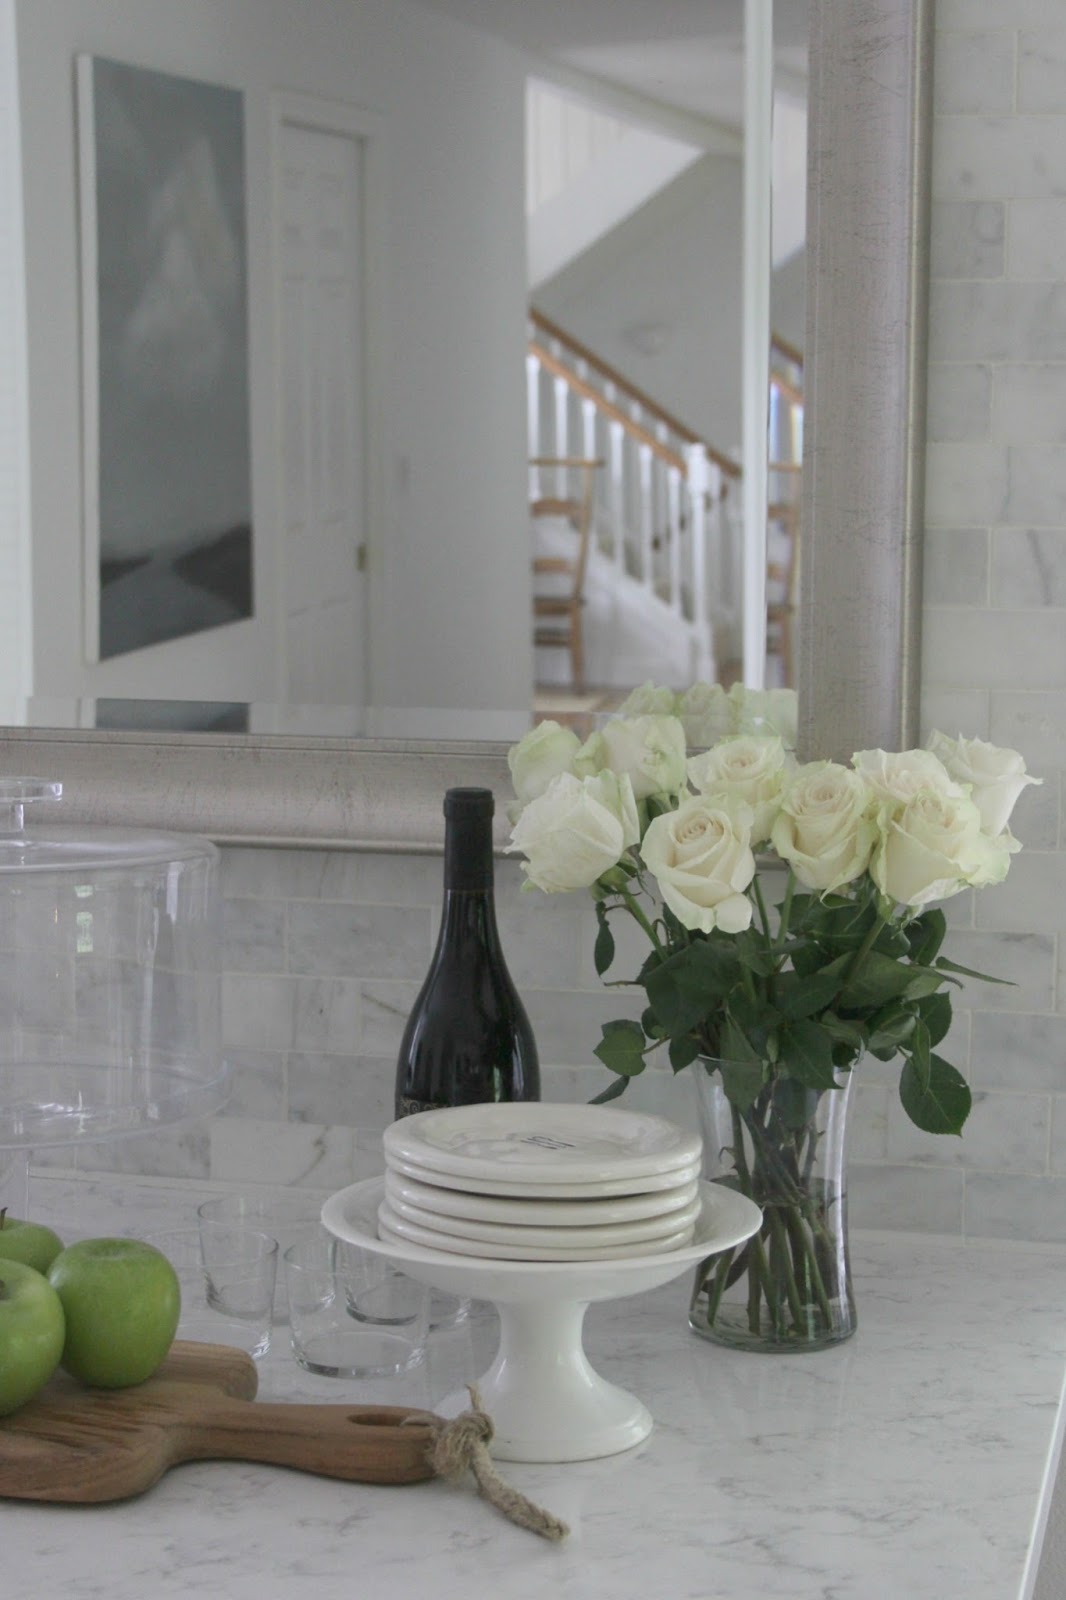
(995, 654)
(318, 986)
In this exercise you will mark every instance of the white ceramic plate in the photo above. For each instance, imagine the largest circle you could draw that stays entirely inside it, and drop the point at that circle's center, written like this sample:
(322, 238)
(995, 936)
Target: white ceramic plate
(725, 1219)
(523, 1188)
(538, 1142)
(518, 1211)
(565, 1238)
(392, 1227)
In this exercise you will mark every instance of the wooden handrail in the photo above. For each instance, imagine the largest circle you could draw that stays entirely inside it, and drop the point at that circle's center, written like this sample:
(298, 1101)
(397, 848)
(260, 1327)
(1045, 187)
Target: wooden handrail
(587, 391)
(626, 386)
(793, 395)
(790, 351)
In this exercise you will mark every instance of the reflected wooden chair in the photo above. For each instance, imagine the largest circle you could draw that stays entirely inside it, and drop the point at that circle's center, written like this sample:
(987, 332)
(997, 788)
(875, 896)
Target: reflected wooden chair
(557, 615)
(782, 587)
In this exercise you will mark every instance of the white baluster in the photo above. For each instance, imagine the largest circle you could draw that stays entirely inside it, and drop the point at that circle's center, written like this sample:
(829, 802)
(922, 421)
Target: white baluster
(588, 429)
(704, 483)
(616, 499)
(588, 450)
(674, 534)
(656, 514)
(647, 553)
(562, 431)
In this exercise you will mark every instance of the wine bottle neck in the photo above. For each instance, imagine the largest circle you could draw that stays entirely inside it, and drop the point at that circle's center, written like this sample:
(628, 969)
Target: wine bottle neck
(468, 856)
(469, 913)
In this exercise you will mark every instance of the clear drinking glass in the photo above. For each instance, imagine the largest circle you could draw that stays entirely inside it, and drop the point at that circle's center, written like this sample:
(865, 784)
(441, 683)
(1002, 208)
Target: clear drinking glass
(445, 1310)
(284, 1215)
(352, 1314)
(227, 1290)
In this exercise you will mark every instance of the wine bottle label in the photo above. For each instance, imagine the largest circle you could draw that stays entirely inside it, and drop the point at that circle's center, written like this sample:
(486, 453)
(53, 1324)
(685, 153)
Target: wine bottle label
(409, 1107)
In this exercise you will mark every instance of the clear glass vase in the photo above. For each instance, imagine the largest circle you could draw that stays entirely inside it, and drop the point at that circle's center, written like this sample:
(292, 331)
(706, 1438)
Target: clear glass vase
(789, 1286)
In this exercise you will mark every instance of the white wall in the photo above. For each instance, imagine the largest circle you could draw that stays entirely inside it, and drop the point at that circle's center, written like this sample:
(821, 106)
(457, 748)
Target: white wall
(452, 468)
(14, 517)
(671, 272)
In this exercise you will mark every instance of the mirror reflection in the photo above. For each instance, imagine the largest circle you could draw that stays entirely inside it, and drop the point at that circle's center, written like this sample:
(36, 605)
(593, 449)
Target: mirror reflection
(495, 351)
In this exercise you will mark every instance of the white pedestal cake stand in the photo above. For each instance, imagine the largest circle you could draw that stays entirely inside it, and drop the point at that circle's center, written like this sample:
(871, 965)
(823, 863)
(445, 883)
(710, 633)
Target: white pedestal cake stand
(546, 1401)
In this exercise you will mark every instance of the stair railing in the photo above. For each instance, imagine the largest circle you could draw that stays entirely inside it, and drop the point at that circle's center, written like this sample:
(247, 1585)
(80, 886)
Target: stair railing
(668, 514)
(663, 515)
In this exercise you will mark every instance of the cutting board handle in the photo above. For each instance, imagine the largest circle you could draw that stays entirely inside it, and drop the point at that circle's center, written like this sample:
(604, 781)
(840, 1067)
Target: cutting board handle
(360, 1443)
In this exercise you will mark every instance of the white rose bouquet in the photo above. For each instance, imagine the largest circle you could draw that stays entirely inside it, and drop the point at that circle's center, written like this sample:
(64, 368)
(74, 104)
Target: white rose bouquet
(780, 1001)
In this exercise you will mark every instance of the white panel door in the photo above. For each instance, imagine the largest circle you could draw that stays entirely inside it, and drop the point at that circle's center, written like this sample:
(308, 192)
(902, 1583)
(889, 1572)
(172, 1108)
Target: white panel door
(323, 416)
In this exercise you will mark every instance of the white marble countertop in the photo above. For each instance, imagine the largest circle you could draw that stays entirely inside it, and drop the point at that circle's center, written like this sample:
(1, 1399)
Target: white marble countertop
(916, 1460)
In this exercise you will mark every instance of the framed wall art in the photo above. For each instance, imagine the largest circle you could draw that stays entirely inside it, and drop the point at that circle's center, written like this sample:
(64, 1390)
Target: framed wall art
(167, 467)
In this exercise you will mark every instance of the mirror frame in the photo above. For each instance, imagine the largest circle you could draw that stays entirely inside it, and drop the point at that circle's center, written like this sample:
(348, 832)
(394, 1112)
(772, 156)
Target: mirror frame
(869, 138)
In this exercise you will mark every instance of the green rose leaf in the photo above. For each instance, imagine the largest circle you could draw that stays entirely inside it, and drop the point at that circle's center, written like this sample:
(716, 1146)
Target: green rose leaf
(805, 955)
(753, 954)
(756, 1020)
(653, 1028)
(612, 1091)
(622, 1048)
(798, 996)
(806, 1054)
(851, 1034)
(925, 935)
(690, 984)
(603, 950)
(735, 1044)
(683, 1051)
(838, 922)
(889, 1029)
(919, 1053)
(942, 1104)
(935, 1012)
(741, 1081)
(924, 981)
(942, 964)
(892, 941)
(880, 979)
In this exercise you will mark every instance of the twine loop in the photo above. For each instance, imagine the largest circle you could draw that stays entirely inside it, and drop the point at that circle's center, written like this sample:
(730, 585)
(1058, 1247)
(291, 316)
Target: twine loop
(462, 1445)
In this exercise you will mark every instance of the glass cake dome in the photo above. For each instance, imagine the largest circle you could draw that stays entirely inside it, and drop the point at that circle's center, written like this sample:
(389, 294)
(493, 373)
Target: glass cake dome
(109, 977)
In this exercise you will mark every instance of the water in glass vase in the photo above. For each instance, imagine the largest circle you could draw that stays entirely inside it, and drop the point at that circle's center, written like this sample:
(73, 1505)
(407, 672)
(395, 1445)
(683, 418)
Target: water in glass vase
(788, 1287)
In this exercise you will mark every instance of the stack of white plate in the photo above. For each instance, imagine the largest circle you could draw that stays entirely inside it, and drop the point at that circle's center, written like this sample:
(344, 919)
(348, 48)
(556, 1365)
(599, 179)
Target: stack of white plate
(526, 1181)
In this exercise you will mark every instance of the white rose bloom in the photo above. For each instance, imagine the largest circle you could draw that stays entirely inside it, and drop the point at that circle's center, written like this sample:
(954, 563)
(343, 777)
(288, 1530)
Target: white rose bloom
(825, 828)
(648, 700)
(897, 776)
(766, 711)
(535, 760)
(576, 830)
(701, 858)
(649, 750)
(996, 776)
(707, 714)
(752, 768)
(934, 848)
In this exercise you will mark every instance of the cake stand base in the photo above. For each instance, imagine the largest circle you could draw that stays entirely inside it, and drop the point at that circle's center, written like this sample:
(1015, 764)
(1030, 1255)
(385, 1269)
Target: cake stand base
(547, 1403)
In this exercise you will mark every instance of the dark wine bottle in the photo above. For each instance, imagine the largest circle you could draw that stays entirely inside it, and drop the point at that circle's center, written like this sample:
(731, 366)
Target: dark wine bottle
(468, 1038)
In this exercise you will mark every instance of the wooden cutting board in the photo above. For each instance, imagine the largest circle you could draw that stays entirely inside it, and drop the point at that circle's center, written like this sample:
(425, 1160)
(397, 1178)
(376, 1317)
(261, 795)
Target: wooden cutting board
(83, 1445)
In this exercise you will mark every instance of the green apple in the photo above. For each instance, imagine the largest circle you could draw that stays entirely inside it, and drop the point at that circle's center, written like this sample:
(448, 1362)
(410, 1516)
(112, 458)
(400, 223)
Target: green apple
(121, 1300)
(31, 1334)
(29, 1242)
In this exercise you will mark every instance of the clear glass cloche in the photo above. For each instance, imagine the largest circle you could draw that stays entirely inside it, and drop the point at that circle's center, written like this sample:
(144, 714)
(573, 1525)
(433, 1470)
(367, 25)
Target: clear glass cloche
(109, 976)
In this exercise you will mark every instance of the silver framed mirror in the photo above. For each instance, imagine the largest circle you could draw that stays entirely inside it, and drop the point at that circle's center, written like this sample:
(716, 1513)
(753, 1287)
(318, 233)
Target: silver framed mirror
(870, 80)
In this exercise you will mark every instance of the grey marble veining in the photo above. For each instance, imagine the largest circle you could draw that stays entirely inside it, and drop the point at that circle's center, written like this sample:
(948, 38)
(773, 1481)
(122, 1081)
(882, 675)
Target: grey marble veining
(909, 1461)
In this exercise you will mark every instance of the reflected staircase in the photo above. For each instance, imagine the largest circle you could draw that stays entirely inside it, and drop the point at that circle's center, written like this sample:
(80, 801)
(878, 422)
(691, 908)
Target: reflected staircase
(663, 565)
